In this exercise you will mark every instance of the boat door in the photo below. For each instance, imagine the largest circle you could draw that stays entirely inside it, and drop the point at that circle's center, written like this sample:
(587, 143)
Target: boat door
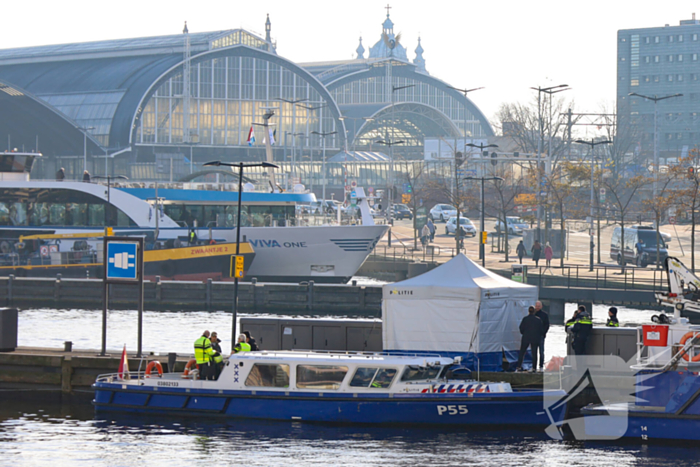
(296, 337)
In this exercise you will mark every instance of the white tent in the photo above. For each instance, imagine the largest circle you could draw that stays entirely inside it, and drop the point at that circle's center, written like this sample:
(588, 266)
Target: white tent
(458, 308)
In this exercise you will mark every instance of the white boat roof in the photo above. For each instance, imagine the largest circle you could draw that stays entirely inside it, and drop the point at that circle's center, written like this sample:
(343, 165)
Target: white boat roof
(300, 356)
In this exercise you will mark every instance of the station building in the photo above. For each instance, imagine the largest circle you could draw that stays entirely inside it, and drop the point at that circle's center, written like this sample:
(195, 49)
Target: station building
(149, 106)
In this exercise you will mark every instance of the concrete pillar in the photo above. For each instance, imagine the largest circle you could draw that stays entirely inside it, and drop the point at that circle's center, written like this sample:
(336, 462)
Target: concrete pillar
(556, 311)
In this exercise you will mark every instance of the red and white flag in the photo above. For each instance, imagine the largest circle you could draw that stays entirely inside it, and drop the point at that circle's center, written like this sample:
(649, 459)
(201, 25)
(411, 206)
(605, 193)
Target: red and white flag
(251, 137)
(124, 365)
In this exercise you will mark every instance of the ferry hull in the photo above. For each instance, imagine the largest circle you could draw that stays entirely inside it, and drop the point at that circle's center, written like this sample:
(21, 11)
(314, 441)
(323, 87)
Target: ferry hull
(521, 409)
(643, 426)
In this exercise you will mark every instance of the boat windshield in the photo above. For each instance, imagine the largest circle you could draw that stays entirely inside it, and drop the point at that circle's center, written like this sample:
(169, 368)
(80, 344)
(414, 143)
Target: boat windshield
(420, 373)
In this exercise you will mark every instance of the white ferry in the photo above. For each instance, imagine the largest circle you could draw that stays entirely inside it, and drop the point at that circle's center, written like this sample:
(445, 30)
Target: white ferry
(287, 248)
(367, 388)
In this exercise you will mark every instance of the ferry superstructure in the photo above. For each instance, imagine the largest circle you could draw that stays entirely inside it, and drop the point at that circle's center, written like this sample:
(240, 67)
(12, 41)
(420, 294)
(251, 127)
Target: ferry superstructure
(287, 250)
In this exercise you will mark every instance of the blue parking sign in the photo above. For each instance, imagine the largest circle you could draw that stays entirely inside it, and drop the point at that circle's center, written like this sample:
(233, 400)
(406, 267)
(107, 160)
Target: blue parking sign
(122, 260)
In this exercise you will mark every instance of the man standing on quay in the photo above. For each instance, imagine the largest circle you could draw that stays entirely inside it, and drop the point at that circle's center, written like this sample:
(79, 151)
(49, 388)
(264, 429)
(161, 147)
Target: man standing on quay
(542, 315)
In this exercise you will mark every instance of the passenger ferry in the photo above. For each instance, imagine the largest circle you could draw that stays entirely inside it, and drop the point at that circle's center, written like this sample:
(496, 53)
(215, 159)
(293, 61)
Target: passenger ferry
(367, 388)
(287, 247)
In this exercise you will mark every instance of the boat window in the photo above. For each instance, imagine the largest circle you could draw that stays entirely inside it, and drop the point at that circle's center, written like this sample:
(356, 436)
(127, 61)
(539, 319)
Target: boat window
(420, 373)
(380, 378)
(268, 376)
(363, 377)
(320, 376)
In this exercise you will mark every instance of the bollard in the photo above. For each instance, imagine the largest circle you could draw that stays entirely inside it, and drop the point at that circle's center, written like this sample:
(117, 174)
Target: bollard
(172, 357)
(68, 346)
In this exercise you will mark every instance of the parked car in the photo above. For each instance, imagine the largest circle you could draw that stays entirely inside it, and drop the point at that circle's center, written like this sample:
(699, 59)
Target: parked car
(467, 226)
(633, 234)
(515, 225)
(442, 212)
(401, 211)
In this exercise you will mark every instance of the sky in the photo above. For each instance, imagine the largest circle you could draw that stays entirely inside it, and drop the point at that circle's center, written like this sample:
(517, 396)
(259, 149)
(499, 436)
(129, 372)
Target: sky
(506, 46)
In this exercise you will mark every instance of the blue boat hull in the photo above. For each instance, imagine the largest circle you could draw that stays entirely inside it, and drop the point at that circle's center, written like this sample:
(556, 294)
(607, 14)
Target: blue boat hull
(644, 426)
(524, 409)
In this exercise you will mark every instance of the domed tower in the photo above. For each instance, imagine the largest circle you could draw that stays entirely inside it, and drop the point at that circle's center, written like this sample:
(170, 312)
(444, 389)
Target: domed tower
(360, 50)
(389, 44)
(419, 61)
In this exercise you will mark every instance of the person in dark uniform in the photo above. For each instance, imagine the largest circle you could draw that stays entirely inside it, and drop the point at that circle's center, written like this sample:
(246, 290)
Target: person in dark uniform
(612, 318)
(60, 174)
(251, 341)
(532, 329)
(542, 315)
(218, 358)
(86, 176)
(581, 330)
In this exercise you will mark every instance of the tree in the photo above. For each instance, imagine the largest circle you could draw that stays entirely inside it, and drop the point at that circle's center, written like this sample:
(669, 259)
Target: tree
(561, 191)
(623, 191)
(659, 204)
(413, 177)
(689, 196)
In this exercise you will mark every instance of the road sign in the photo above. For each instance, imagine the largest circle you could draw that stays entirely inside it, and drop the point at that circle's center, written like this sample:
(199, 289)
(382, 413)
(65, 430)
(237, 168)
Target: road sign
(237, 266)
(353, 198)
(525, 198)
(602, 194)
(421, 217)
(370, 189)
(406, 198)
(353, 183)
(672, 220)
(484, 237)
(121, 260)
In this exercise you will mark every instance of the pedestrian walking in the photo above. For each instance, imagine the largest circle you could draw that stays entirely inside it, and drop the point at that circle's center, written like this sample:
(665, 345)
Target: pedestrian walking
(544, 317)
(531, 328)
(521, 251)
(424, 235)
(548, 254)
(431, 227)
(536, 252)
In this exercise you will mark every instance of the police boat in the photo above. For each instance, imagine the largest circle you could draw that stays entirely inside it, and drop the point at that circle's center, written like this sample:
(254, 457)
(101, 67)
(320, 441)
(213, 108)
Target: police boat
(332, 387)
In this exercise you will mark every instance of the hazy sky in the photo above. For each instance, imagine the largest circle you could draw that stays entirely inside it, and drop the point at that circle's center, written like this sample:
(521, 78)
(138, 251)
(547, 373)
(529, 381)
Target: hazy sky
(506, 46)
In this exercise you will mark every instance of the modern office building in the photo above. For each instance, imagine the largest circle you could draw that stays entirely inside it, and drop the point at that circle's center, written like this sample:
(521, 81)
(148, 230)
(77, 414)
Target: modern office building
(658, 62)
(131, 106)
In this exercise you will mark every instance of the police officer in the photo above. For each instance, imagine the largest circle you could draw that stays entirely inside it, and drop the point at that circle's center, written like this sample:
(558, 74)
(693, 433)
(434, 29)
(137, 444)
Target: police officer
(218, 358)
(581, 330)
(204, 355)
(242, 345)
(612, 318)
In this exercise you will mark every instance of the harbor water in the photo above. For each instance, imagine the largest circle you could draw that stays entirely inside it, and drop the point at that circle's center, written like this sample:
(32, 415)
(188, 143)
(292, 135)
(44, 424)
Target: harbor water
(45, 428)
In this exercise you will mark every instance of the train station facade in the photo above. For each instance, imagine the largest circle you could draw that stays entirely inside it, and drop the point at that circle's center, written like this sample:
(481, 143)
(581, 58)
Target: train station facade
(145, 107)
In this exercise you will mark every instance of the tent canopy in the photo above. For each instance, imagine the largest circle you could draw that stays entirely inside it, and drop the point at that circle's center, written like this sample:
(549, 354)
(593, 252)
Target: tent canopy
(458, 308)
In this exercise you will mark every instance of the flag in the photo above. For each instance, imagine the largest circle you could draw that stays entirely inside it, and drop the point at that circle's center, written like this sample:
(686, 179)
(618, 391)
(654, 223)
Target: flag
(251, 136)
(272, 136)
(124, 365)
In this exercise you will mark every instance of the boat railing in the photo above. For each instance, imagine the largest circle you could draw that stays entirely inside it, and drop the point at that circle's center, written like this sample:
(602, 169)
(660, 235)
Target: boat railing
(691, 349)
(349, 353)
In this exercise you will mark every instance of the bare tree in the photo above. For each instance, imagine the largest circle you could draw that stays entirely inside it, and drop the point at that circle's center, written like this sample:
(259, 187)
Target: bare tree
(689, 196)
(561, 191)
(659, 204)
(413, 177)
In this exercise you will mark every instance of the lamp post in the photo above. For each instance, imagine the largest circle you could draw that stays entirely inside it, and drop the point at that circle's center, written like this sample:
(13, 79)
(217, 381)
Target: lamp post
(109, 179)
(592, 144)
(85, 130)
(656, 100)
(389, 181)
(540, 90)
(323, 164)
(465, 92)
(481, 147)
(482, 250)
(240, 166)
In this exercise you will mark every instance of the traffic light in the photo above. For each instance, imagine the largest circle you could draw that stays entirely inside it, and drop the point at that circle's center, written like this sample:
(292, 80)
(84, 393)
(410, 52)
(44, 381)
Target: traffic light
(691, 173)
(516, 154)
(409, 189)
(484, 237)
(493, 158)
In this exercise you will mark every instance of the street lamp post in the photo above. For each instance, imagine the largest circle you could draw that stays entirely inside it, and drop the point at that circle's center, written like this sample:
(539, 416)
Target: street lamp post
(85, 130)
(323, 163)
(540, 90)
(390, 181)
(240, 166)
(656, 100)
(482, 250)
(465, 92)
(592, 144)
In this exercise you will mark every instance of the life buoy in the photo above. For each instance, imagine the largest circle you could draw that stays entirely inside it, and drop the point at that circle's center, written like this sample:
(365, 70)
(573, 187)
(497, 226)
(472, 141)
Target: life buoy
(154, 364)
(192, 363)
(684, 339)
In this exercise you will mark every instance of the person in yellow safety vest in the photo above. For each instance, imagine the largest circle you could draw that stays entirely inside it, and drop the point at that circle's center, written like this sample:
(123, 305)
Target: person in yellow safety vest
(218, 358)
(581, 330)
(612, 318)
(204, 354)
(242, 345)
